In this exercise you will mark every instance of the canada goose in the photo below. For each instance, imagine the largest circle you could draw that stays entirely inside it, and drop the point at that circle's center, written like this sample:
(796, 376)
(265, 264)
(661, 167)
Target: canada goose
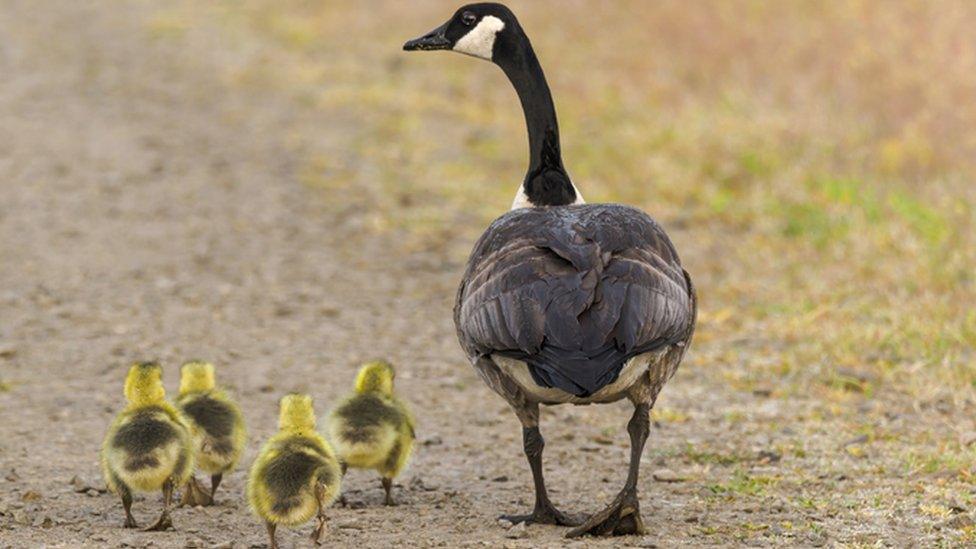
(372, 428)
(217, 425)
(563, 302)
(296, 475)
(148, 446)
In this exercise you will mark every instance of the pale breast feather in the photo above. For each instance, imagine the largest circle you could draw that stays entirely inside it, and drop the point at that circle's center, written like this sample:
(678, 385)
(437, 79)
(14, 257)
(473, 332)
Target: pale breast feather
(574, 292)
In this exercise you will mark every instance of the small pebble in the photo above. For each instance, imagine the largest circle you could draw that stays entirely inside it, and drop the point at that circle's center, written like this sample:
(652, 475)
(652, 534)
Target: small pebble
(518, 531)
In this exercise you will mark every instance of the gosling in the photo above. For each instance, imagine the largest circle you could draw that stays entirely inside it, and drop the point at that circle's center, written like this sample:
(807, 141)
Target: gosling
(216, 424)
(372, 429)
(148, 446)
(296, 475)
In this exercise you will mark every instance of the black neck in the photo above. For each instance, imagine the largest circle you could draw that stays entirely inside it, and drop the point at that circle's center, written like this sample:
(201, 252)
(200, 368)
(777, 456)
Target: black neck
(546, 181)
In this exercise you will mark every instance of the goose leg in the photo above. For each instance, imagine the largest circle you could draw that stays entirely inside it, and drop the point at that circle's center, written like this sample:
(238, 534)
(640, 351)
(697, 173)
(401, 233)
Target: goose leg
(622, 516)
(533, 443)
(164, 522)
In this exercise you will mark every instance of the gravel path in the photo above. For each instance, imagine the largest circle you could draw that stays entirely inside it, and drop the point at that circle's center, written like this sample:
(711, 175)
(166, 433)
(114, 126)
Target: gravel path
(152, 210)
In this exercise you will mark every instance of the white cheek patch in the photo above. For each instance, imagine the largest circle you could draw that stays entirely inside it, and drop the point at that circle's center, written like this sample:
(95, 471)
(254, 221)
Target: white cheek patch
(480, 41)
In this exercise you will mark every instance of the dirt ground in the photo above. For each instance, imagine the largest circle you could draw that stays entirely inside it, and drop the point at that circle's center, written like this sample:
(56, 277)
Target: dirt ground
(149, 210)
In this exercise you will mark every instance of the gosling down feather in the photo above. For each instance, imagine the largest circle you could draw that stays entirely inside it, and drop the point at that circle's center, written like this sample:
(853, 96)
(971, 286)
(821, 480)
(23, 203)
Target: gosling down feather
(563, 301)
(296, 475)
(372, 428)
(148, 446)
(217, 426)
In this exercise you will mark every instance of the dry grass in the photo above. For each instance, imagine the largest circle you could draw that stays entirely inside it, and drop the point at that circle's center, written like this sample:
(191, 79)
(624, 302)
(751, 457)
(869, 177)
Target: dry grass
(814, 162)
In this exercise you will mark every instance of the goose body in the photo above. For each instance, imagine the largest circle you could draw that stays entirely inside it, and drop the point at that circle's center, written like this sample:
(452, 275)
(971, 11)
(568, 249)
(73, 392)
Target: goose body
(563, 301)
(574, 296)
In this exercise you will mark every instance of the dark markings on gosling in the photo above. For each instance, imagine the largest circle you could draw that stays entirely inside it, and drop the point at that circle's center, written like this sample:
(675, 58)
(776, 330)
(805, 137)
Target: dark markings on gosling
(325, 476)
(144, 433)
(366, 411)
(121, 487)
(180, 462)
(291, 471)
(391, 459)
(223, 446)
(143, 461)
(574, 292)
(216, 417)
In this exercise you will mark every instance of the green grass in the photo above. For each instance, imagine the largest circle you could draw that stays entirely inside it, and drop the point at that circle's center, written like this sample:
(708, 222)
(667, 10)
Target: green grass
(813, 162)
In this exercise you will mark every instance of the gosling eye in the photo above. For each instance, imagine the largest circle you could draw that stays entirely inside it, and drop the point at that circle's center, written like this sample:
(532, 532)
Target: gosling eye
(468, 18)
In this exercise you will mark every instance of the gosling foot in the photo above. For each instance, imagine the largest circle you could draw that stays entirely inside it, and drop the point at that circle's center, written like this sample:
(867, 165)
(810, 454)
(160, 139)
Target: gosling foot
(316, 536)
(620, 518)
(164, 523)
(194, 494)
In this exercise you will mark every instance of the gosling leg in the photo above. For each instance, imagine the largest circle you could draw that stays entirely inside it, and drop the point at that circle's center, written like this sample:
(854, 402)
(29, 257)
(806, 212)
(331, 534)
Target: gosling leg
(214, 483)
(320, 517)
(164, 521)
(388, 488)
(130, 521)
(272, 540)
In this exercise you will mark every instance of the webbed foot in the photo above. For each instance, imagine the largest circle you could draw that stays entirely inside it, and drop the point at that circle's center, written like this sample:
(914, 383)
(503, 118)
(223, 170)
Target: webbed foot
(164, 523)
(194, 494)
(543, 514)
(620, 518)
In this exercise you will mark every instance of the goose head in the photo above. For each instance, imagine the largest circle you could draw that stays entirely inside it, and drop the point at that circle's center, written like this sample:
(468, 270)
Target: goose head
(483, 30)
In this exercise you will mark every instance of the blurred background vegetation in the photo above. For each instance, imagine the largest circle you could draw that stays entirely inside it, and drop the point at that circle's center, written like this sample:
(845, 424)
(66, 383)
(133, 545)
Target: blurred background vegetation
(814, 161)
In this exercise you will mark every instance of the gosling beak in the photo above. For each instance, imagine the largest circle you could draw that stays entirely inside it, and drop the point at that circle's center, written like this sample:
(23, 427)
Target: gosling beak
(433, 40)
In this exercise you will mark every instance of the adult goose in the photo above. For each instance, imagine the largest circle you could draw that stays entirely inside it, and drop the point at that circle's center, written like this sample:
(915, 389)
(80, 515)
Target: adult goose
(562, 301)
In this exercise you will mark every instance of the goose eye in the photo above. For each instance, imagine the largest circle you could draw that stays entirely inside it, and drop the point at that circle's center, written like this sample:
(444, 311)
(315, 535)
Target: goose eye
(468, 18)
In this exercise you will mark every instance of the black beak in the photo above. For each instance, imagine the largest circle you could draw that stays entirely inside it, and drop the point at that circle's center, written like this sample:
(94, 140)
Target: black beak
(433, 40)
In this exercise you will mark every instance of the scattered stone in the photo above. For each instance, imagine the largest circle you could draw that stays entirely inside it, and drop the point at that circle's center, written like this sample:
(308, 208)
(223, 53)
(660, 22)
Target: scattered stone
(518, 531)
(12, 476)
(506, 524)
(968, 439)
(667, 475)
(81, 486)
(30, 495)
(433, 441)
(224, 545)
(7, 350)
(502, 478)
(856, 440)
(605, 441)
(194, 544)
(92, 493)
(352, 524)
(45, 522)
(960, 522)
